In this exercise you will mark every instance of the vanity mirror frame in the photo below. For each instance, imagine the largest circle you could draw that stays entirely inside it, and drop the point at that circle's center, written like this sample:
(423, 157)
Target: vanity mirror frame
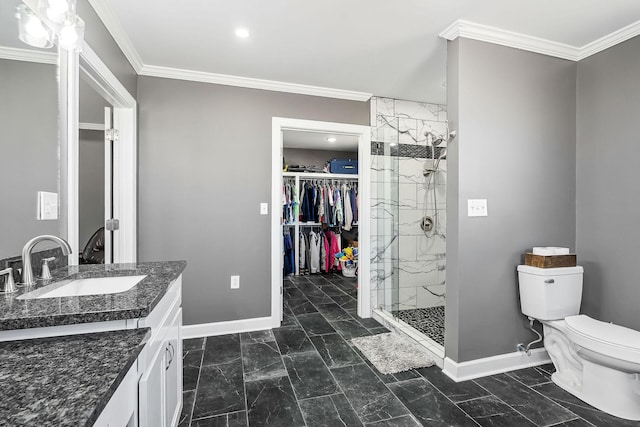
(94, 71)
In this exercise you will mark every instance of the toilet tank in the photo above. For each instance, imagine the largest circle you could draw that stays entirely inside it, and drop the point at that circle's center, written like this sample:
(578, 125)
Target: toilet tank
(550, 293)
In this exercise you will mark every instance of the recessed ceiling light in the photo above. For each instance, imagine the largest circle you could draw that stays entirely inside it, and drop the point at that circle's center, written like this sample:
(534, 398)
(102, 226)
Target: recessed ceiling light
(243, 33)
(332, 139)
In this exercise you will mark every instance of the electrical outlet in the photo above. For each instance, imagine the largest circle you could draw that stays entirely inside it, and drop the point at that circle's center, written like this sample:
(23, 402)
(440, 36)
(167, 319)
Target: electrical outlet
(235, 282)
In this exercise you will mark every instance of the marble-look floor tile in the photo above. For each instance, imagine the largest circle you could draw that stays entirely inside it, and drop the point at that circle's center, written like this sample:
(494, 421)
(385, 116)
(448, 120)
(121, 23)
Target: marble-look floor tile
(535, 407)
(187, 408)
(491, 411)
(368, 396)
(220, 390)
(369, 323)
(335, 351)
(315, 324)
(256, 337)
(234, 419)
(580, 408)
(332, 410)
(320, 299)
(346, 302)
(288, 318)
(292, 340)
(428, 405)
(191, 369)
(301, 307)
(262, 361)
(332, 312)
(457, 392)
(193, 344)
(350, 328)
(309, 375)
(531, 376)
(272, 403)
(403, 421)
(333, 291)
(221, 349)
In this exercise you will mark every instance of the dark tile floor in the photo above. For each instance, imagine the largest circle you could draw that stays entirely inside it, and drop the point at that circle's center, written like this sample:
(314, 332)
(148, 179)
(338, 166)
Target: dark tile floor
(306, 373)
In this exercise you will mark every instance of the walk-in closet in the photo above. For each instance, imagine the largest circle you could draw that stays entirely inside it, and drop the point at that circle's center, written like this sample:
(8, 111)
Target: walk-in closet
(320, 205)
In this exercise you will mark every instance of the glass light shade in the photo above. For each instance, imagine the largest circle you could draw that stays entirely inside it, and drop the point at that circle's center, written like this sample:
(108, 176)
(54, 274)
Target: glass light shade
(56, 11)
(32, 30)
(72, 34)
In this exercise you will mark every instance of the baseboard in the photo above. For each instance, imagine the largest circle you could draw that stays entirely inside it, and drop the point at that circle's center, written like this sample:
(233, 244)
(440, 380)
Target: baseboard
(494, 365)
(229, 327)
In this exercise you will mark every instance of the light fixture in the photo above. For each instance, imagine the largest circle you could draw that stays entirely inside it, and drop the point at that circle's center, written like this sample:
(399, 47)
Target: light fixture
(332, 139)
(243, 33)
(31, 29)
(52, 18)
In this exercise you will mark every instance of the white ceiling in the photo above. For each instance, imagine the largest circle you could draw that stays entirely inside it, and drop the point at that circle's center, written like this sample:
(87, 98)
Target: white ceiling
(318, 141)
(382, 47)
(387, 48)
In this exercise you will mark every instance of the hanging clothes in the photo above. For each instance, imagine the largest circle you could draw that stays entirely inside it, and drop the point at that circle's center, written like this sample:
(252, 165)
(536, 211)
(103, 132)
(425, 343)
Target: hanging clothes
(302, 252)
(289, 258)
(314, 254)
(348, 213)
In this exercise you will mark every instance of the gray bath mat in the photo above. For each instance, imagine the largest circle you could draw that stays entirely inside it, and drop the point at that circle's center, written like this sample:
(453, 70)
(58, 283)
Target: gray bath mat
(392, 352)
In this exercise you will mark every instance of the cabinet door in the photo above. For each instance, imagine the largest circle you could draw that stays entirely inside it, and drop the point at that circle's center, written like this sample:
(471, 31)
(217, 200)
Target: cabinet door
(152, 394)
(173, 371)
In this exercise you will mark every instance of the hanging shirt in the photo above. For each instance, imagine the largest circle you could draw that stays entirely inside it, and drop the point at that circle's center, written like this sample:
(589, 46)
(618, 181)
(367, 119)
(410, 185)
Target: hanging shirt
(302, 251)
(314, 245)
(348, 213)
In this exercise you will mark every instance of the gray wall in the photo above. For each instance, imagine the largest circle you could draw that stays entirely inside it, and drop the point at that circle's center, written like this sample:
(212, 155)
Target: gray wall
(608, 161)
(300, 156)
(29, 141)
(204, 168)
(91, 183)
(100, 40)
(515, 114)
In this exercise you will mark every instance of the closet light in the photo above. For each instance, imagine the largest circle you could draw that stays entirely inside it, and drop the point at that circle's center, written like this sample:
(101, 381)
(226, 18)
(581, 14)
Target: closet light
(243, 33)
(32, 30)
(332, 139)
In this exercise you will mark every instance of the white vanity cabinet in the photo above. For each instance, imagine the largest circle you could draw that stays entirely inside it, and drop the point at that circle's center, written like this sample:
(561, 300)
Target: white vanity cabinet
(160, 386)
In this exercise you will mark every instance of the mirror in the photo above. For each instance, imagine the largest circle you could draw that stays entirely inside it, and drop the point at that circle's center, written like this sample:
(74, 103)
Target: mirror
(29, 123)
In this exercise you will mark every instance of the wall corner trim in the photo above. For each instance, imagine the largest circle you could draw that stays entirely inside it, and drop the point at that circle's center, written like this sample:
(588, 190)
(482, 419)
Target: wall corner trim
(228, 327)
(603, 43)
(111, 21)
(494, 365)
(485, 33)
(248, 82)
(28, 55)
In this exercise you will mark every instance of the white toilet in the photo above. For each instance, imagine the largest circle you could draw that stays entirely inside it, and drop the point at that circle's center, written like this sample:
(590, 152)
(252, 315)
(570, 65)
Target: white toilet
(595, 361)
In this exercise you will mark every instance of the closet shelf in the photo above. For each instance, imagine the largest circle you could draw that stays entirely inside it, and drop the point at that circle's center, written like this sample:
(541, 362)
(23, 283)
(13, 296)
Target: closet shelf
(316, 175)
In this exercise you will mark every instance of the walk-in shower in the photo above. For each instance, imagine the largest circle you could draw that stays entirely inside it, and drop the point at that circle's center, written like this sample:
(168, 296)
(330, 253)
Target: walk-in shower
(409, 165)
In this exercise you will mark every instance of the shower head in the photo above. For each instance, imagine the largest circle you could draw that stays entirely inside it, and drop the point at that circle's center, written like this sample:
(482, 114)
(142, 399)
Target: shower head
(434, 139)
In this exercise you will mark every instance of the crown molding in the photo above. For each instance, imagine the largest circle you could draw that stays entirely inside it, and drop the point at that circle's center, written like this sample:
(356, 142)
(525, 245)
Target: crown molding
(485, 33)
(603, 43)
(111, 21)
(247, 82)
(28, 55)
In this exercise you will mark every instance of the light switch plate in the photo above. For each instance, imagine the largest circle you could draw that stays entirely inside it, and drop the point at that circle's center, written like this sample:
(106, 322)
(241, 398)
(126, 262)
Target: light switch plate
(477, 207)
(264, 208)
(235, 282)
(47, 205)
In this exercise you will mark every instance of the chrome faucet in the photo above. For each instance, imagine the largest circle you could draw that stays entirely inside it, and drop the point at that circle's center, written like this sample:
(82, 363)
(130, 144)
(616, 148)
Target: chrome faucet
(27, 269)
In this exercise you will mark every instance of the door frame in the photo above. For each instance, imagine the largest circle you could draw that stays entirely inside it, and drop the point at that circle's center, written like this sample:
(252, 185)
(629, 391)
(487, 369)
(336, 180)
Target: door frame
(95, 72)
(280, 124)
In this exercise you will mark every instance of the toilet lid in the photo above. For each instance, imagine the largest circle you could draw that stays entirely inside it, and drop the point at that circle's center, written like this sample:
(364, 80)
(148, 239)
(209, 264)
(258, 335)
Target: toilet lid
(604, 332)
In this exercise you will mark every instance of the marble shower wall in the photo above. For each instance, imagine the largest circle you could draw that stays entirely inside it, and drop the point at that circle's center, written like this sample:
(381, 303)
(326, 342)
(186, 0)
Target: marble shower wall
(408, 268)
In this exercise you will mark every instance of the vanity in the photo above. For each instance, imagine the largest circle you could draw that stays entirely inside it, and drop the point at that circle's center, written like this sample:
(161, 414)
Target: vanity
(115, 357)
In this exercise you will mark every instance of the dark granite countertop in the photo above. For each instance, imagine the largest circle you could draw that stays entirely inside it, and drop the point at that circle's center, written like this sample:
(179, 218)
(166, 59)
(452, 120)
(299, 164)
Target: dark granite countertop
(64, 381)
(132, 304)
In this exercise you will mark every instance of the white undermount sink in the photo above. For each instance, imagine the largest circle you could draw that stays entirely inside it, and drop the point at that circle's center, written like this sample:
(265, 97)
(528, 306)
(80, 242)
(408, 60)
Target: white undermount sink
(84, 287)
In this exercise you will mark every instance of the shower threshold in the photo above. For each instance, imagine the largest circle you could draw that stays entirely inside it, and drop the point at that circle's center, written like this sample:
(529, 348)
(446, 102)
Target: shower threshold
(393, 323)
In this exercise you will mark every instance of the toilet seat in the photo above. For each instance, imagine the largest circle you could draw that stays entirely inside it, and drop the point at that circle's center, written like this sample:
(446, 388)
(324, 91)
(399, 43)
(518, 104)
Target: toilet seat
(604, 338)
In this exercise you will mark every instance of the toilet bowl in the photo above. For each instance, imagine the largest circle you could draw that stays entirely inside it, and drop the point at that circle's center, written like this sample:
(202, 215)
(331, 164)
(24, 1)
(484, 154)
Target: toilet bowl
(595, 361)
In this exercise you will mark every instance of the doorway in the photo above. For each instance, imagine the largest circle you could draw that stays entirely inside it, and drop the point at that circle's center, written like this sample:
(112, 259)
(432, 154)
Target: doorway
(363, 136)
